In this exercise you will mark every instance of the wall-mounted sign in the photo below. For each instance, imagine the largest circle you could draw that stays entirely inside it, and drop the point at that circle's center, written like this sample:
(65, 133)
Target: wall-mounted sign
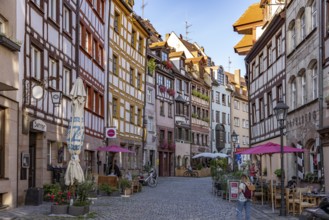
(111, 132)
(39, 125)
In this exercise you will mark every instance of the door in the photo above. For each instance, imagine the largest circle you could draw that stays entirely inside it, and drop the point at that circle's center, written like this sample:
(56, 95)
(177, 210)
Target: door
(32, 171)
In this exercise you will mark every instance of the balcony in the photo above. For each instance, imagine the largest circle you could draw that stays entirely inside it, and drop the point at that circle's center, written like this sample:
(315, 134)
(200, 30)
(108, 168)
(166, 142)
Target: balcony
(200, 122)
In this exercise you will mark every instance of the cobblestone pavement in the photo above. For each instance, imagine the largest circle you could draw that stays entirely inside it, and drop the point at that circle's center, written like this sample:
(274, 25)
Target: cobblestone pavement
(175, 198)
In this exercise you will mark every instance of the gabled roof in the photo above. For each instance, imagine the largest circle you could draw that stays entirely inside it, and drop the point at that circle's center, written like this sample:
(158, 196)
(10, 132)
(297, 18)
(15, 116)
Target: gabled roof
(154, 35)
(195, 59)
(188, 45)
(244, 45)
(252, 15)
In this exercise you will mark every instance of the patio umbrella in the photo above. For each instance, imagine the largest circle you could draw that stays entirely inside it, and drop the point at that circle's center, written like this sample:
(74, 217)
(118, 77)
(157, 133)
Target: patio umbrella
(209, 155)
(270, 148)
(75, 133)
(114, 149)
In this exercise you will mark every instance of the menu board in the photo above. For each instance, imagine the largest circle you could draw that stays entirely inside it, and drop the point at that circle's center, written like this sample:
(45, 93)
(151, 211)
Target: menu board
(233, 186)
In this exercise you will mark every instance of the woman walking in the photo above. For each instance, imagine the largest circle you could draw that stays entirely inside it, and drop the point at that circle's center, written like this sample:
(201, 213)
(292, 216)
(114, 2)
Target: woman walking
(244, 198)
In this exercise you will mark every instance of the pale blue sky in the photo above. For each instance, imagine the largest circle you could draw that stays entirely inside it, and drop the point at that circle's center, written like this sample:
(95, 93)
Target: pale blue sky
(211, 22)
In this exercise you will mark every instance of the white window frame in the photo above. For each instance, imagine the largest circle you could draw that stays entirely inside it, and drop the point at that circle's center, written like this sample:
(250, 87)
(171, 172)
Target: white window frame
(302, 26)
(293, 37)
(2, 25)
(314, 15)
(66, 19)
(150, 124)
(304, 92)
(52, 9)
(35, 63)
(293, 94)
(315, 91)
(149, 95)
(52, 72)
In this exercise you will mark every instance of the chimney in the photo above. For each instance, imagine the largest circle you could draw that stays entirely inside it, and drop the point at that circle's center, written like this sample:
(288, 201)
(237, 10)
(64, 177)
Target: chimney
(237, 76)
(181, 36)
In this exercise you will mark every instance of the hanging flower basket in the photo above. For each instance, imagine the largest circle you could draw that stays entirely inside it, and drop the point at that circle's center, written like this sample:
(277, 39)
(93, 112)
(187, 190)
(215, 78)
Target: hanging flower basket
(167, 64)
(162, 88)
(171, 91)
(164, 145)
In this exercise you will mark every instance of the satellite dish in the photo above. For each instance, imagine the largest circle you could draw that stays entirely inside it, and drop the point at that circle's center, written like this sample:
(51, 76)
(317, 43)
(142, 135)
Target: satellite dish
(37, 92)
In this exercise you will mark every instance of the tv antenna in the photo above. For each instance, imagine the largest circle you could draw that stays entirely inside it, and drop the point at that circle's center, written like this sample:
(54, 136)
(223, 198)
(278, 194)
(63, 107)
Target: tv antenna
(229, 64)
(143, 7)
(187, 26)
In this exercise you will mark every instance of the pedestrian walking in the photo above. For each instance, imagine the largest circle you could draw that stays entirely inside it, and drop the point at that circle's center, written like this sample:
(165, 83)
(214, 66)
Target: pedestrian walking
(244, 198)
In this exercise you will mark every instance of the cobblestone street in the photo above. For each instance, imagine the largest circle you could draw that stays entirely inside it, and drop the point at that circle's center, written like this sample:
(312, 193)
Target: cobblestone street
(174, 198)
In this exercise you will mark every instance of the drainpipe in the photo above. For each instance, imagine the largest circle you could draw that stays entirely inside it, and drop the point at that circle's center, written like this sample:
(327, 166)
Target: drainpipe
(77, 44)
(144, 107)
(320, 100)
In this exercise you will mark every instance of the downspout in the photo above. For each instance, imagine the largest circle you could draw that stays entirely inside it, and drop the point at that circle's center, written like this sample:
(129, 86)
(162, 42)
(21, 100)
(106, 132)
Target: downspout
(77, 44)
(144, 121)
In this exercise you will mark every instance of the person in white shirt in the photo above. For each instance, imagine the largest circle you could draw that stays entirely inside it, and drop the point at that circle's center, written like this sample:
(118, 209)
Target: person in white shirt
(244, 198)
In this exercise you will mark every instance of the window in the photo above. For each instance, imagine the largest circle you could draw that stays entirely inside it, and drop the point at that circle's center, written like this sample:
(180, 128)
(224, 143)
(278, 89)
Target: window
(253, 71)
(66, 81)
(52, 73)
(116, 22)
(2, 142)
(217, 116)
(132, 114)
(315, 81)
(254, 117)
(269, 55)
(115, 108)
(37, 2)
(140, 45)
(293, 36)
(269, 104)
(139, 115)
(162, 108)
(302, 26)
(115, 65)
(261, 63)
(150, 124)
(133, 39)
(87, 42)
(164, 56)
(293, 94)
(217, 97)
(279, 92)
(261, 108)
(236, 104)
(81, 34)
(149, 95)
(131, 76)
(49, 148)
(223, 99)
(304, 92)
(66, 19)
(186, 87)
(88, 89)
(100, 55)
(100, 108)
(223, 117)
(169, 110)
(35, 63)
(52, 9)
(2, 25)
(314, 14)
(220, 76)
(139, 81)
(236, 121)
(178, 85)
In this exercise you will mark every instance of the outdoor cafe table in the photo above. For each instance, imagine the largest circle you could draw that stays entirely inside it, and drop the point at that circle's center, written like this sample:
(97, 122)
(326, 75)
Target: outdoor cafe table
(315, 196)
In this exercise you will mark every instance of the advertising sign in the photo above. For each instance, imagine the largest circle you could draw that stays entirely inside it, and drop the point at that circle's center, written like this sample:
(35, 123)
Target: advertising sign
(233, 189)
(111, 132)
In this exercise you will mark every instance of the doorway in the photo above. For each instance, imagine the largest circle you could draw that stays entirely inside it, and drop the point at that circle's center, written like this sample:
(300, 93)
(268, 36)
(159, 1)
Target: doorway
(32, 149)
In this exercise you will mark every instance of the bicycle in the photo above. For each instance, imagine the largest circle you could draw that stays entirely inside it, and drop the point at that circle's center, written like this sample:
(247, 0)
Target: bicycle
(190, 172)
(151, 180)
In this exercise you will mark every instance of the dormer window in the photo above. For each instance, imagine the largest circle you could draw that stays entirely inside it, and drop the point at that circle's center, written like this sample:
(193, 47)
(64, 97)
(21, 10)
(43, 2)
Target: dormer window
(164, 56)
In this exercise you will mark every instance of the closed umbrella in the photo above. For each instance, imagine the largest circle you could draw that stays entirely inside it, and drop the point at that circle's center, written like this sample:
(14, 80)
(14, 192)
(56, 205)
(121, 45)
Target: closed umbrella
(75, 133)
(209, 155)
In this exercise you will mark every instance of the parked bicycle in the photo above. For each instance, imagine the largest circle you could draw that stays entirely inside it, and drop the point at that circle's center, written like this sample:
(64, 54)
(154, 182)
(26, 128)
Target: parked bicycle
(151, 179)
(190, 172)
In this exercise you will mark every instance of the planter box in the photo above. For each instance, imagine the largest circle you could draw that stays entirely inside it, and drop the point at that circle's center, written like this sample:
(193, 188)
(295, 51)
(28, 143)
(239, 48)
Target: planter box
(59, 209)
(78, 210)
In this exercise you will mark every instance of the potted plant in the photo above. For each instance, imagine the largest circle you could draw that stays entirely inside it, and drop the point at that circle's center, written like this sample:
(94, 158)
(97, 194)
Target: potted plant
(125, 185)
(171, 91)
(60, 202)
(151, 66)
(162, 88)
(50, 189)
(105, 189)
(81, 204)
(278, 173)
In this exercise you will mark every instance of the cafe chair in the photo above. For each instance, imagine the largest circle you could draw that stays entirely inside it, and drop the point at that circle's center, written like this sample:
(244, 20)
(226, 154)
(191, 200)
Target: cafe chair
(290, 200)
(303, 201)
(277, 197)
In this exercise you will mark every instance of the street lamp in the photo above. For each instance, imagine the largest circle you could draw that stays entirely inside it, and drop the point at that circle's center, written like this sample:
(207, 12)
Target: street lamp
(280, 111)
(234, 138)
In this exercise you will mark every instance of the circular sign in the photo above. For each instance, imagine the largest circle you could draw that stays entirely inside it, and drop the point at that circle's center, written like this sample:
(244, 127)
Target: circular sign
(37, 92)
(111, 132)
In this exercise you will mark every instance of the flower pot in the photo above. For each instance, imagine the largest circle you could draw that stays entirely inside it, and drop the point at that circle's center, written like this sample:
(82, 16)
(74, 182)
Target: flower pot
(58, 209)
(78, 210)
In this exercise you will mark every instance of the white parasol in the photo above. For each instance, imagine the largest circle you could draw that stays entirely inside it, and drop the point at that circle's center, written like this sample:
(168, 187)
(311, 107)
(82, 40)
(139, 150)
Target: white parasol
(209, 155)
(75, 133)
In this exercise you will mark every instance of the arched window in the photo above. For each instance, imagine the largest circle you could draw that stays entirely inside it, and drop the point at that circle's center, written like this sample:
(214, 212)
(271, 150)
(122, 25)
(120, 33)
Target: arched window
(314, 73)
(313, 14)
(304, 88)
(302, 26)
(220, 137)
(293, 94)
(292, 35)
